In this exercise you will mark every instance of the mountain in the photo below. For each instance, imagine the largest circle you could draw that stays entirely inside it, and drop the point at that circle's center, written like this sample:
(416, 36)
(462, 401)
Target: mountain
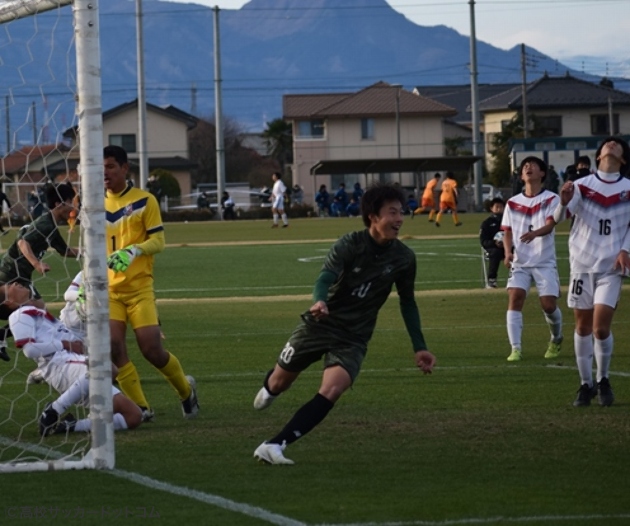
(268, 48)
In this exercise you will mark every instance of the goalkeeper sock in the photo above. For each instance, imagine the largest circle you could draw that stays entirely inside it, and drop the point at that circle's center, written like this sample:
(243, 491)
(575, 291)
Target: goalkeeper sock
(129, 383)
(175, 376)
(305, 419)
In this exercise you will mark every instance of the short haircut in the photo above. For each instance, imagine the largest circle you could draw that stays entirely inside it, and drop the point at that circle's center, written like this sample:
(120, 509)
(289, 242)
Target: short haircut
(59, 193)
(497, 200)
(542, 165)
(624, 168)
(437, 176)
(118, 153)
(584, 159)
(376, 196)
(450, 175)
(277, 174)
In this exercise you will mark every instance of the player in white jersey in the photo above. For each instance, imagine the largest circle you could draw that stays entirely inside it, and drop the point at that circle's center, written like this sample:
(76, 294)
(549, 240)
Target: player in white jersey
(59, 355)
(598, 251)
(277, 201)
(530, 253)
(69, 316)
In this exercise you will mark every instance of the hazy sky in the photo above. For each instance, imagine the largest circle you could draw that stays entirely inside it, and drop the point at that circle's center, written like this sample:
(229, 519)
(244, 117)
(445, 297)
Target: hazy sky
(558, 28)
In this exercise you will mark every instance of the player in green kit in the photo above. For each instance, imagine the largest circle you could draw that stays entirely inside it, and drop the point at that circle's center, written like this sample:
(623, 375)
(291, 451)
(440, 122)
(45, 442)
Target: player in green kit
(354, 283)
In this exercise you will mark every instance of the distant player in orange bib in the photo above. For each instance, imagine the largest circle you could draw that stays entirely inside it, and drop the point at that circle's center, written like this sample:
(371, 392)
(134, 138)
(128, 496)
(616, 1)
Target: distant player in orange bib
(428, 199)
(448, 199)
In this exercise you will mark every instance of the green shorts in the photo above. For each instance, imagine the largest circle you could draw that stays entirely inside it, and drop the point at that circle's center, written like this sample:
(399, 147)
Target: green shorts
(308, 344)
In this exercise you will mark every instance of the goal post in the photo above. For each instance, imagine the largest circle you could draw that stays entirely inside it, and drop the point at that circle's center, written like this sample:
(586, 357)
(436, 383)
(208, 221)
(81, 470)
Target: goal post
(34, 455)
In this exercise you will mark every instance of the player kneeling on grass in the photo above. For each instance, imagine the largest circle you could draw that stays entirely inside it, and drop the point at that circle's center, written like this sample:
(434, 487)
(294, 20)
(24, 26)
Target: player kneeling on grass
(356, 280)
(59, 356)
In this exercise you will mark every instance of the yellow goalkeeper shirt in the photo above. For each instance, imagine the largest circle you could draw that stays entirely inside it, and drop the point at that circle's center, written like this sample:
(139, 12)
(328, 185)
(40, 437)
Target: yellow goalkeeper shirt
(133, 217)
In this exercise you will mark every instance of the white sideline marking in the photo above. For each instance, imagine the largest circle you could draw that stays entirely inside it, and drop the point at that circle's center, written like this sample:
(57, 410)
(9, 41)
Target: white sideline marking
(206, 498)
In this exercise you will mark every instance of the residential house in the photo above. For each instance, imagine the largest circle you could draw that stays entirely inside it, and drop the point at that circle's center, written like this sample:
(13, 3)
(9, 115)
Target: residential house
(573, 115)
(167, 139)
(372, 134)
(26, 170)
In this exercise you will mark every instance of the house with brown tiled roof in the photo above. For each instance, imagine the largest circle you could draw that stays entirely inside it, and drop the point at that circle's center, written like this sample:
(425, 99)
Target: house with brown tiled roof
(572, 112)
(24, 170)
(167, 139)
(382, 121)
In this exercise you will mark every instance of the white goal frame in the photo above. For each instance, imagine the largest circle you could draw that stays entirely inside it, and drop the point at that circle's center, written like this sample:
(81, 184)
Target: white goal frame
(90, 126)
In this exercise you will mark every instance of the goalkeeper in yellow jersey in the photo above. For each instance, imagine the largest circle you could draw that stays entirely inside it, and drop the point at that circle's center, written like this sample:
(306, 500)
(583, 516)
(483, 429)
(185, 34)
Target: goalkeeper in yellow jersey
(134, 234)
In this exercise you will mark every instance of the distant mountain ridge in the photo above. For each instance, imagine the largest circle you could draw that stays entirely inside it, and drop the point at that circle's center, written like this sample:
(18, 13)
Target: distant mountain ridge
(268, 48)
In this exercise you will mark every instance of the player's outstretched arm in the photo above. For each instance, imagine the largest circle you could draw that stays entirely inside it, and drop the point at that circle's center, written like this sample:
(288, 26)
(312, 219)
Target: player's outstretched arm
(425, 361)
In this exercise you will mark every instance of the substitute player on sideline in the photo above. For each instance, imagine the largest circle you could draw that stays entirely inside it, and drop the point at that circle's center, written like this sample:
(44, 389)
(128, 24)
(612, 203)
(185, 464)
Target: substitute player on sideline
(599, 243)
(356, 280)
(134, 234)
(277, 201)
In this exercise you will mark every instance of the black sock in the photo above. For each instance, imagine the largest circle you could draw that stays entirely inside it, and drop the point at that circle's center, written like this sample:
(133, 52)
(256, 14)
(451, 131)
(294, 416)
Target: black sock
(266, 383)
(305, 419)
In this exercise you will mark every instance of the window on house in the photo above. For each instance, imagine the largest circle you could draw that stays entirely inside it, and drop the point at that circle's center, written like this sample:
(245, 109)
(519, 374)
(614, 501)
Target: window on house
(367, 129)
(599, 124)
(126, 141)
(311, 129)
(550, 126)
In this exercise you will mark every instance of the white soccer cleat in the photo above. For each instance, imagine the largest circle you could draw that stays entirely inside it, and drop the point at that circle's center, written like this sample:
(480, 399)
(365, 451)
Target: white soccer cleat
(272, 454)
(263, 399)
(35, 377)
(190, 406)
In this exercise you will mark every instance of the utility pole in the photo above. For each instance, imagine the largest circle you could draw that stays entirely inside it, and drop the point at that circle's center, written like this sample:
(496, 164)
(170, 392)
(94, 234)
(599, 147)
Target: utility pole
(7, 122)
(524, 91)
(611, 124)
(143, 156)
(474, 104)
(218, 112)
(34, 121)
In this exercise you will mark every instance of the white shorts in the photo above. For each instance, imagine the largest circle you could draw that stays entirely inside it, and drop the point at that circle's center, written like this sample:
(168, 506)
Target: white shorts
(278, 202)
(546, 280)
(589, 289)
(65, 368)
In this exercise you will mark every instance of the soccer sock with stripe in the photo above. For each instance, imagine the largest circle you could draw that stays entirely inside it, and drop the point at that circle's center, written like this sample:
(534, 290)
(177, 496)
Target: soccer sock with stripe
(514, 321)
(175, 376)
(603, 355)
(129, 383)
(584, 357)
(554, 320)
(305, 419)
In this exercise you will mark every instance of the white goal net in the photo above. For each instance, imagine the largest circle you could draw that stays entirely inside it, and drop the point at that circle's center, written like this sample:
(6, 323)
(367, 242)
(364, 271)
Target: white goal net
(51, 115)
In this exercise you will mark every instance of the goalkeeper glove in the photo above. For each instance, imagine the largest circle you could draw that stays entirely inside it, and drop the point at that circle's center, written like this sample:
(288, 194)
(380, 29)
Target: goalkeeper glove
(120, 260)
(80, 305)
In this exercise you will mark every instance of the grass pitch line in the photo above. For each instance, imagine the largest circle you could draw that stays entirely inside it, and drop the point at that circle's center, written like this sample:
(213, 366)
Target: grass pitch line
(206, 498)
(491, 520)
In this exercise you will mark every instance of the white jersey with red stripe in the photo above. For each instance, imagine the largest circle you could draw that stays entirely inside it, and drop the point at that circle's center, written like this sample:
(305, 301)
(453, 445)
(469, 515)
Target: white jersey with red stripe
(40, 336)
(523, 214)
(601, 207)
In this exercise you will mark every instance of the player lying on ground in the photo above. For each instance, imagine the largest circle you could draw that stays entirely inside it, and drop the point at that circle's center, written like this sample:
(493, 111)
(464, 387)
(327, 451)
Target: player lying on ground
(59, 356)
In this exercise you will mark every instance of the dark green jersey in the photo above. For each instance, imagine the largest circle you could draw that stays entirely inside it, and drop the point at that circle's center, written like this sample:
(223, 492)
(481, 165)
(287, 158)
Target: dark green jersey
(366, 273)
(40, 235)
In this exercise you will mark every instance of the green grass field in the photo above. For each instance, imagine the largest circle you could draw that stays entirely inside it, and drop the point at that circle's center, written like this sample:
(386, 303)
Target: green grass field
(481, 441)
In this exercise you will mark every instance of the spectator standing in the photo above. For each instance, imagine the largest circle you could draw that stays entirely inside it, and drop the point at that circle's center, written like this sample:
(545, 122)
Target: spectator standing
(228, 205)
(322, 198)
(203, 201)
(357, 192)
